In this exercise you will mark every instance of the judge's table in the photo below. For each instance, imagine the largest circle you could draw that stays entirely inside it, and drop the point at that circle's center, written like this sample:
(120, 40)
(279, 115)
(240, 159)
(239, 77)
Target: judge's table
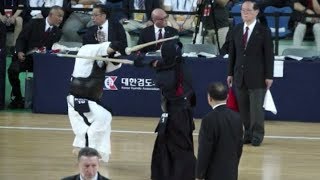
(130, 91)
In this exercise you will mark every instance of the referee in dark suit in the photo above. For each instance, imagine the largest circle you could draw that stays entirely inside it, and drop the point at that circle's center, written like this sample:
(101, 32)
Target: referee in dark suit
(220, 138)
(36, 34)
(251, 61)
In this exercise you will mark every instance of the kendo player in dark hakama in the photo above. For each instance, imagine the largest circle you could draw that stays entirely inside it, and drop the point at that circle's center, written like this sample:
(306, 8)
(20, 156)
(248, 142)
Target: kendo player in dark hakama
(173, 154)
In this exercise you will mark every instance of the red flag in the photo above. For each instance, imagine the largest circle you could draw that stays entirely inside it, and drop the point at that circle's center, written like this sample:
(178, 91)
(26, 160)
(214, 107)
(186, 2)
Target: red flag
(232, 101)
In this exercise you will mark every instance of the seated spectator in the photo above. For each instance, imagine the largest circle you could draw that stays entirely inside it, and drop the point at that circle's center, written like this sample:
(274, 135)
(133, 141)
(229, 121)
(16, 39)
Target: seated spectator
(88, 163)
(159, 30)
(231, 3)
(36, 34)
(307, 7)
(78, 20)
(217, 21)
(104, 30)
(11, 16)
(35, 4)
(276, 3)
(32, 13)
(45, 6)
(116, 9)
(181, 22)
(138, 21)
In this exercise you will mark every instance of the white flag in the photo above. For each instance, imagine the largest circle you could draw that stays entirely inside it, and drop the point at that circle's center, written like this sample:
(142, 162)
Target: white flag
(268, 104)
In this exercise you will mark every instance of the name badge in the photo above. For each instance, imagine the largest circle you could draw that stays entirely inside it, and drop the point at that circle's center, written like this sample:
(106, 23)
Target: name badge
(162, 125)
(81, 105)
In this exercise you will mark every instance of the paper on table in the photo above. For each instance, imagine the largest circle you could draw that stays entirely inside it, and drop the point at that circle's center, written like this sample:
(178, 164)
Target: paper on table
(208, 55)
(292, 57)
(278, 69)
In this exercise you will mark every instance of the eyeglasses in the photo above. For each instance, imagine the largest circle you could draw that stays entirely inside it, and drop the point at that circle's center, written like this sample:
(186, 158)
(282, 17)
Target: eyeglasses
(162, 19)
(95, 15)
(247, 10)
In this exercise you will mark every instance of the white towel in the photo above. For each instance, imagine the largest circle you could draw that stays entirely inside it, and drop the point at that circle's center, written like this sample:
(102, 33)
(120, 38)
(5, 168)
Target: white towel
(268, 104)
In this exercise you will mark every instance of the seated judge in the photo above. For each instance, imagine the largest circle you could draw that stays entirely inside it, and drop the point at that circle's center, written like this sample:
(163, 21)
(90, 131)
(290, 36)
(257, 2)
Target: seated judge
(158, 31)
(37, 34)
(105, 29)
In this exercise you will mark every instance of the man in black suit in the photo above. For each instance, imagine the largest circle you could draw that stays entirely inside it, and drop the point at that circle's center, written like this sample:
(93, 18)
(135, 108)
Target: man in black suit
(104, 29)
(88, 162)
(220, 138)
(159, 30)
(36, 35)
(251, 61)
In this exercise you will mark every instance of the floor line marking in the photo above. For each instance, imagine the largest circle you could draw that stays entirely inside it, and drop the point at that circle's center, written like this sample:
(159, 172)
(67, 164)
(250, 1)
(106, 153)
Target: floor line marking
(143, 132)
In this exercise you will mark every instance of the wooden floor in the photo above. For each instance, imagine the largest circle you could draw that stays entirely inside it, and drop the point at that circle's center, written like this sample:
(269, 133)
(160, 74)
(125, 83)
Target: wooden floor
(38, 146)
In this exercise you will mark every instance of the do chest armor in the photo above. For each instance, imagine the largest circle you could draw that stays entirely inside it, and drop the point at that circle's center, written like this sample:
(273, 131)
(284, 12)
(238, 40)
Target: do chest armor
(90, 87)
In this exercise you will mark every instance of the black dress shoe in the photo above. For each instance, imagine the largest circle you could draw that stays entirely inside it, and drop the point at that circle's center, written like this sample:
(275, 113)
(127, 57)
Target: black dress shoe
(16, 104)
(256, 142)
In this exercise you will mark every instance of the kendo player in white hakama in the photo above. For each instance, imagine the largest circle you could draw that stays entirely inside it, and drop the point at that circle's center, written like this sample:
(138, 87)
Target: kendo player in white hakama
(90, 121)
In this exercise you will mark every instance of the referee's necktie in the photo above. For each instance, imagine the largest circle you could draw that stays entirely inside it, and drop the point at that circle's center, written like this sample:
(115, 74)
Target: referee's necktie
(245, 37)
(45, 36)
(48, 30)
(159, 37)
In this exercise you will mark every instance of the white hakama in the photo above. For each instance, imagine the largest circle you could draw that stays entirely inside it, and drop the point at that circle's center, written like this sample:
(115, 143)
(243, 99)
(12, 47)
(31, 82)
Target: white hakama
(99, 130)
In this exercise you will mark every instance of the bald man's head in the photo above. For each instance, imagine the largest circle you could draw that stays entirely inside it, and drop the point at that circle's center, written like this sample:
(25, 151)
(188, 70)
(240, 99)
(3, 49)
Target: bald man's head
(159, 17)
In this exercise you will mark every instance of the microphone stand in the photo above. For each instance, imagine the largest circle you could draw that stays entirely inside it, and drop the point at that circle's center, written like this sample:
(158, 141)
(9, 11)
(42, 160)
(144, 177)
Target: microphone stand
(215, 24)
(199, 15)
